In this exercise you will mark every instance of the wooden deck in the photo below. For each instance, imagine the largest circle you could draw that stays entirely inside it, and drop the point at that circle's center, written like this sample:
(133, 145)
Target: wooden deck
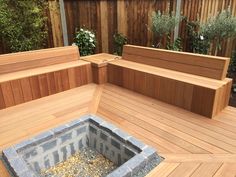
(192, 145)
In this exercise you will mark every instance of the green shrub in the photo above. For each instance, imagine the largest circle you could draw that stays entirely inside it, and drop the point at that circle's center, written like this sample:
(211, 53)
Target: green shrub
(23, 24)
(119, 41)
(86, 41)
(163, 25)
(232, 65)
(197, 42)
(176, 45)
(218, 28)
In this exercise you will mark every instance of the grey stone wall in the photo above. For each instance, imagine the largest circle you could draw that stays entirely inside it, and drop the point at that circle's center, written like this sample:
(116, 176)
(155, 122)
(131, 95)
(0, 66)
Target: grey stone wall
(29, 157)
(68, 141)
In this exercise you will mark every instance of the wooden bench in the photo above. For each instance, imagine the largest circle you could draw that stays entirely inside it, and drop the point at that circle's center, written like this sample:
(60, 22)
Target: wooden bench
(26, 76)
(190, 81)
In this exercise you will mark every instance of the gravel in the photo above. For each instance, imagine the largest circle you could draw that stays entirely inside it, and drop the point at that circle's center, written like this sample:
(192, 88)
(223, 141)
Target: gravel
(90, 163)
(86, 163)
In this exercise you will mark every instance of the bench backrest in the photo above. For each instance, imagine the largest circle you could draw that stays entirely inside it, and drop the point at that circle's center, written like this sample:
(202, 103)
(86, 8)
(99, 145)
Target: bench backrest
(197, 64)
(37, 58)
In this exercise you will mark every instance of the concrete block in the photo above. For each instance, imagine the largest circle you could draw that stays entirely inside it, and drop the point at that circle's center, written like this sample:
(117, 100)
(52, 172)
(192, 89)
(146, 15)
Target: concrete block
(136, 144)
(9, 153)
(49, 145)
(149, 152)
(122, 136)
(136, 163)
(122, 171)
(27, 174)
(45, 136)
(60, 129)
(24, 145)
(18, 165)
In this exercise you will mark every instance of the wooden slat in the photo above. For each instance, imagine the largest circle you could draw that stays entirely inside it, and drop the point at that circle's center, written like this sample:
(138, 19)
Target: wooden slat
(206, 170)
(55, 19)
(100, 59)
(227, 169)
(40, 70)
(33, 87)
(3, 170)
(202, 65)
(163, 170)
(93, 107)
(34, 82)
(184, 169)
(200, 158)
(38, 58)
(198, 94)
(51, 83)
(7, 94)
(174, 132)
(17, 92)
(2, 102)
(153, 104)
(122, 17)
(104, 25)
(188, 78)
(133, 18)
(26, 89)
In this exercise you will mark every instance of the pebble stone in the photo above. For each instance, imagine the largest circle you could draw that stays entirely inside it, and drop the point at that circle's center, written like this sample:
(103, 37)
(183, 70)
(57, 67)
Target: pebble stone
(85, 163)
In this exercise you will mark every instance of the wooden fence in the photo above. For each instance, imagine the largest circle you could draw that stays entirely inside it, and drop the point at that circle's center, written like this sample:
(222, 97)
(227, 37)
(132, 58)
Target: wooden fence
(130, 17)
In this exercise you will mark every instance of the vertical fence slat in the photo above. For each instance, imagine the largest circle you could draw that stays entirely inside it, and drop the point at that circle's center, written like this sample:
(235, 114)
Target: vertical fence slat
(130, 17)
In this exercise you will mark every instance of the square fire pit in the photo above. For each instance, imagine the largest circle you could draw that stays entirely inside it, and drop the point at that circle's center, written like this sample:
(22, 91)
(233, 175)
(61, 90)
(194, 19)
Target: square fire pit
(47, 150)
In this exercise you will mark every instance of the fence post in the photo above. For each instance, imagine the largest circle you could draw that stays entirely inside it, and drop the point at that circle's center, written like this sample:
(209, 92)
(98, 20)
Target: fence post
(63, 22)
(178, 6)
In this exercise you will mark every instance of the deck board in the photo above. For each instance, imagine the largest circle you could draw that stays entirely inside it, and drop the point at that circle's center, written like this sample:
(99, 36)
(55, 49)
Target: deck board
(192, 145)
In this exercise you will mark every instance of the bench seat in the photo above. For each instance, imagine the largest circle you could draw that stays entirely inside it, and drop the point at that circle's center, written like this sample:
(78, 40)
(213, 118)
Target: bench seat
(202, 95)
(40, 70)
(31, 75)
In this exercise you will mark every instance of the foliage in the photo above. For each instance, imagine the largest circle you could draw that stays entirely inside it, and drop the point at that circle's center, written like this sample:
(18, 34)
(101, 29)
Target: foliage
(197, 42)
(222, 26)
(176, 46)
(232, 65)
(23, 24)
(86, 41)
(119, 41)
(163, 25)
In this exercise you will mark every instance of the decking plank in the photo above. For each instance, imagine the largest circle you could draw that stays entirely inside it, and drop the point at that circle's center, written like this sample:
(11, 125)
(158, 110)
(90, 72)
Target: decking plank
(177, 123)
(227, 169)
(3, 170)
(186, 151)
(177, 112)
(206, 170)
(163, 170)
(166, 129)
(184, 169)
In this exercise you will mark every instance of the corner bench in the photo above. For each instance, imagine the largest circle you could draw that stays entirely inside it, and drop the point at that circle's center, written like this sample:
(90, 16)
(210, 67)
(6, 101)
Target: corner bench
(27, 76)
(194, 82)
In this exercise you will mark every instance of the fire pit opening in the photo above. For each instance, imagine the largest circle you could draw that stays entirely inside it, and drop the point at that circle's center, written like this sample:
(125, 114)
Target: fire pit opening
(85, 147)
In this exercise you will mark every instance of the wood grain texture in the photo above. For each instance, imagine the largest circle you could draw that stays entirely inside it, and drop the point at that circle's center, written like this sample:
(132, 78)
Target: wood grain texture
(3, 170)
(132, 18)
(99, 74)
(198, 94)
(201, 65)
(55, 19)
(33, 87)
(99, 66)
(190, 143)
(37, 58)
